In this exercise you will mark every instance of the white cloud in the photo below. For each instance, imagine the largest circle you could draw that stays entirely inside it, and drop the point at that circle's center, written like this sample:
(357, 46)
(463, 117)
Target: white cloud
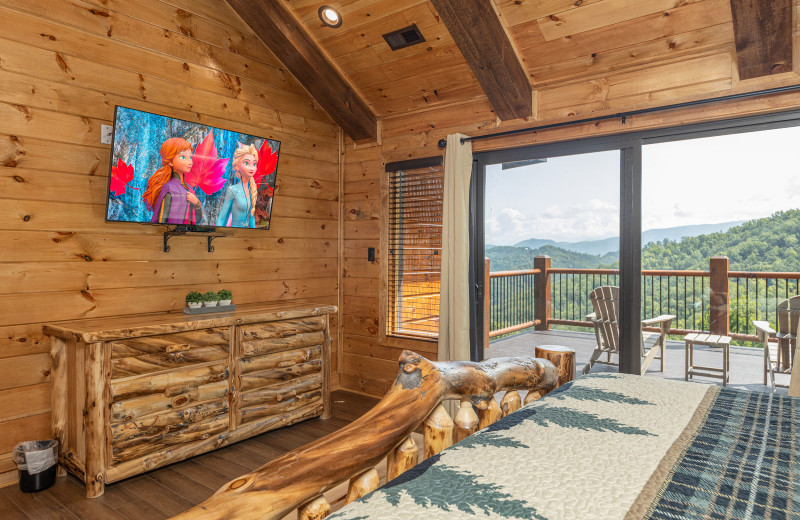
(700, 181)
(593, 220)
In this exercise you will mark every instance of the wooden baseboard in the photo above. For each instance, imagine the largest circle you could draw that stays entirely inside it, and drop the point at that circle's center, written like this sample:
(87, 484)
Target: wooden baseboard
(9, 478)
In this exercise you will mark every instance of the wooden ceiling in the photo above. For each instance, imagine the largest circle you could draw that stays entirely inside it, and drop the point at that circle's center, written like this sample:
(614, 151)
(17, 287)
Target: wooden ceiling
(568, 48)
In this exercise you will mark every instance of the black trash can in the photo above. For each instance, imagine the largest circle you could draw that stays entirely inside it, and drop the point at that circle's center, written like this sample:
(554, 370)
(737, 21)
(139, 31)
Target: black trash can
(37, 462)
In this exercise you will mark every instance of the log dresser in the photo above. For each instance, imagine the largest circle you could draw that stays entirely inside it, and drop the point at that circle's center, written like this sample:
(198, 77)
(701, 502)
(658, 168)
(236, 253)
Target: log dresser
(134, 393)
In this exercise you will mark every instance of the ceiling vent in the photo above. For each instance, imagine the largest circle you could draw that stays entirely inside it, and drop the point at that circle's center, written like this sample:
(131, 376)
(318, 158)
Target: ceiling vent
(405, 37)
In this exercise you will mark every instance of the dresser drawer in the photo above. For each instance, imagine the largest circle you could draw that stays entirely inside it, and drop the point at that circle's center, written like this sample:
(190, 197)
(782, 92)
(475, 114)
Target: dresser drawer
(276, 376)
(139, 437)
(128, 409)
(169, 383)
(280, 398)
(146, 355)
(267, 338)
(276, 409)
(282, 329)
(280, 359)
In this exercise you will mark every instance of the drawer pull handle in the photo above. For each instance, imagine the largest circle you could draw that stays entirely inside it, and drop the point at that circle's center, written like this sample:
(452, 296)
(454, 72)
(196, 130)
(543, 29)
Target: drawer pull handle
(178, 348)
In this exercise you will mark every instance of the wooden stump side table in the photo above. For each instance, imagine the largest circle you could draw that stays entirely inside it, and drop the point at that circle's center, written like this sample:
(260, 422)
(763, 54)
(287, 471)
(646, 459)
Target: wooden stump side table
(564, 360)
(709, 340)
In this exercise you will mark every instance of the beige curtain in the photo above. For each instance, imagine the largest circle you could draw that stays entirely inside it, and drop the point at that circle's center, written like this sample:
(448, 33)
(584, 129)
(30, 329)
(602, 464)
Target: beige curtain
(454, 302)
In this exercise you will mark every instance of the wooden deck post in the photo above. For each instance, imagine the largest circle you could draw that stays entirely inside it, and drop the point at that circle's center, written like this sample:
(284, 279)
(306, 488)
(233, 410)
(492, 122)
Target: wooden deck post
(541, 292)
(487, 297)
(719, 321)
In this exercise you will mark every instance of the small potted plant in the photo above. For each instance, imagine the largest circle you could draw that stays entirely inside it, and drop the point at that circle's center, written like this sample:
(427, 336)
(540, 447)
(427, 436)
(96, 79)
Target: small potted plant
(225, 296)
(194, 300)
(210, 299)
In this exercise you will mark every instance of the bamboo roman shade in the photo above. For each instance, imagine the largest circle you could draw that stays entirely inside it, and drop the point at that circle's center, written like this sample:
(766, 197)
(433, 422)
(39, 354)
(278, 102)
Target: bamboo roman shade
(415, 251)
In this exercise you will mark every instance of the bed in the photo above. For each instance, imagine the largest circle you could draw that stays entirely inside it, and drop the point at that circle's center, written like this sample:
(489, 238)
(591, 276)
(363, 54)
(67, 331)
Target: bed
(606, 446)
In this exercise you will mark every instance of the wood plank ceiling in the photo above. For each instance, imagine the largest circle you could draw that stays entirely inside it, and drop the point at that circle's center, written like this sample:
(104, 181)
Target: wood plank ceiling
(564, 44)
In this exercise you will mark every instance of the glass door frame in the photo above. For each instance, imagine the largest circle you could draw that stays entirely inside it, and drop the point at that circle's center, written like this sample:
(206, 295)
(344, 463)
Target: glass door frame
(630, 201)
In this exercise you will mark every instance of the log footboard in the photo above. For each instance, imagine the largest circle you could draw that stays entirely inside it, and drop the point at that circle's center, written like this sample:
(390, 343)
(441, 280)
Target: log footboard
(299, 477)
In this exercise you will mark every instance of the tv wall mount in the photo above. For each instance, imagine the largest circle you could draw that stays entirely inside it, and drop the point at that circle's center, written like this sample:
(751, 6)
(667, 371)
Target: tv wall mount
(209, 232)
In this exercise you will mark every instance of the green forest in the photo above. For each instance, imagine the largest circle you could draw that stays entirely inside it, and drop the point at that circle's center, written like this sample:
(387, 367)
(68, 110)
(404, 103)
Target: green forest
(767, 244)
(510, 258)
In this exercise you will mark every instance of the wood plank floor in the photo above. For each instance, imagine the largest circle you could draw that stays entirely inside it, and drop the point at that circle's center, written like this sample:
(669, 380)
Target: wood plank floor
(175, 488)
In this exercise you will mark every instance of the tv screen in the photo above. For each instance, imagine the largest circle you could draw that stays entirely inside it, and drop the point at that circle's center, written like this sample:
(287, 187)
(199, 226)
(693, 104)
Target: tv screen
(169, 171)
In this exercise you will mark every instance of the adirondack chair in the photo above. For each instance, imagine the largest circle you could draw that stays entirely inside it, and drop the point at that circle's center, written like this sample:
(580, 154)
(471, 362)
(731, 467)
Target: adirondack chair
(778, 357)
(605, 318)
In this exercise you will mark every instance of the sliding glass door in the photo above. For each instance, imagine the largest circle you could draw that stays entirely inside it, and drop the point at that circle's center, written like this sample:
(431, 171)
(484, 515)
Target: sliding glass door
(721, 217)
(670, 183)
(551, 229)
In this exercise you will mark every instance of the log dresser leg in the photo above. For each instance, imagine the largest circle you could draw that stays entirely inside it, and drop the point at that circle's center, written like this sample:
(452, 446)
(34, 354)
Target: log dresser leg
(58, 396)
(327, 412)
(93, 420)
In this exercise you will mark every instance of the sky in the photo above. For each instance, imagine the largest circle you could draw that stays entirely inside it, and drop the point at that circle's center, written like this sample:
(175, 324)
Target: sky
(700, 181)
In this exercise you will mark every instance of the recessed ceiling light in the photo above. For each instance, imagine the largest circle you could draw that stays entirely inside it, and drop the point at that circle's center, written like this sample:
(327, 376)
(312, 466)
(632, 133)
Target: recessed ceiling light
(330, 16)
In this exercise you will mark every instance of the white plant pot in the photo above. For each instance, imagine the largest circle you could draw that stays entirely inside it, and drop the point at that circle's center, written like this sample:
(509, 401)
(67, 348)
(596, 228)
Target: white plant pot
(194, 305)
(224, 302)
(210, 304)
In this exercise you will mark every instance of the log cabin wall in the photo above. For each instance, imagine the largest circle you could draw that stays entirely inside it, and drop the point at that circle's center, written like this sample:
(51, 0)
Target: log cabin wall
(63, 67)
(675, 52)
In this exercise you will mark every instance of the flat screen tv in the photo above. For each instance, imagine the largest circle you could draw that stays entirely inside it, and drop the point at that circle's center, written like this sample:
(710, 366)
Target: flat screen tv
(169, 171)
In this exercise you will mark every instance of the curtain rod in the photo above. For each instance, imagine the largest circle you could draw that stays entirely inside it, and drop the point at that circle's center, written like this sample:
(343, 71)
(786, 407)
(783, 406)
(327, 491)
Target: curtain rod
(624, 115)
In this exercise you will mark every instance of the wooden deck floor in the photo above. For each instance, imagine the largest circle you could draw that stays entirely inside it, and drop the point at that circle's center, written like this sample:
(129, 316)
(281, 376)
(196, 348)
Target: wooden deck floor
(175, 488)
(746, 363)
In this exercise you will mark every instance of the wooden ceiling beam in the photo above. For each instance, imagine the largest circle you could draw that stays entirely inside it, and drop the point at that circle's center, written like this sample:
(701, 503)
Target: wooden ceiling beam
(485, 44)
(277, 27)
(763, 34)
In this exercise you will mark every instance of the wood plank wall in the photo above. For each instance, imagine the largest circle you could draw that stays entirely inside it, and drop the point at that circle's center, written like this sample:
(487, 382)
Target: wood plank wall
(369, 362)
(63, 67)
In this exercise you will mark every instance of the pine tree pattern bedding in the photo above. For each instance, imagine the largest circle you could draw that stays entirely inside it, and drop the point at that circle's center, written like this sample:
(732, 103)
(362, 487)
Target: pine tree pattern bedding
(612, 446)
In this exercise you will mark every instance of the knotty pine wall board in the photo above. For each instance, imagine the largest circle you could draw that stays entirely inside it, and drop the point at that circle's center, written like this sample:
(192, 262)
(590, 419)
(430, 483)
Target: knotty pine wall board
(64, 67)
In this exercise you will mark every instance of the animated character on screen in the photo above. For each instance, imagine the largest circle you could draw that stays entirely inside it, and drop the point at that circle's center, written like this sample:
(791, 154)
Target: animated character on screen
(170, 190)
(167, 194)
(239, 204)
(266, 167)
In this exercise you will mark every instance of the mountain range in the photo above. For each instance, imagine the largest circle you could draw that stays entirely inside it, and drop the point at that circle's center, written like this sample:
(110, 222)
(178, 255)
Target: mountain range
(765, 244)
(611, 245)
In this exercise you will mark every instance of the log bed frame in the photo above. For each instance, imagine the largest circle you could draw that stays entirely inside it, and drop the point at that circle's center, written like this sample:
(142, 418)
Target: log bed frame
(298, 478)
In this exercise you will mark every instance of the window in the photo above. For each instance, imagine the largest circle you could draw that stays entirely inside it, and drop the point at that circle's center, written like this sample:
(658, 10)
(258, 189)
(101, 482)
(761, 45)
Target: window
(415, 248)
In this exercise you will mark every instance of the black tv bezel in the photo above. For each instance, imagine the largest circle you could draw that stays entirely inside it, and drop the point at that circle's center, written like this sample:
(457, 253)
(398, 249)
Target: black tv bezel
(183, 227)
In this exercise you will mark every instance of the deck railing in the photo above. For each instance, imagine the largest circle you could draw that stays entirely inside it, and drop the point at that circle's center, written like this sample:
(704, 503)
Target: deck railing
(718, 300)
(511, 301)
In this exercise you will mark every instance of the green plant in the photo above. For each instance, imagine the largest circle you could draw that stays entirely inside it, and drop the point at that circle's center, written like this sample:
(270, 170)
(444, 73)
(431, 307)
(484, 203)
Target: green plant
(210, 296)
(225, 294)
(194, 297)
